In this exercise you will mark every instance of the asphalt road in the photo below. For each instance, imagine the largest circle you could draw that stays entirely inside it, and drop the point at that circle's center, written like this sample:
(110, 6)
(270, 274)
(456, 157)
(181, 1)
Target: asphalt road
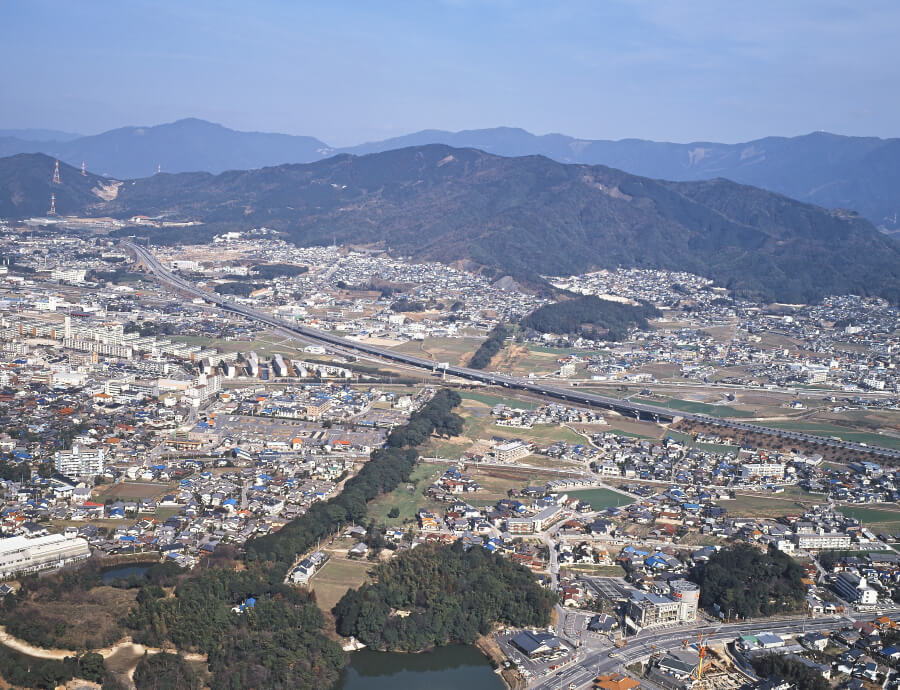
(583, 671)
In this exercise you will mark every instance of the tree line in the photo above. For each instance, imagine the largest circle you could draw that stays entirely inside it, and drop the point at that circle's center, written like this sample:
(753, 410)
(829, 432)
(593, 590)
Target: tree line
(490, 347)
(449, 594)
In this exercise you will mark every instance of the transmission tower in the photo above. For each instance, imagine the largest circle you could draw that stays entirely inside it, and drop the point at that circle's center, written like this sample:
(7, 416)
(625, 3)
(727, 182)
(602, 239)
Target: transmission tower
(83, 169)
(52, 211)
(56, 173)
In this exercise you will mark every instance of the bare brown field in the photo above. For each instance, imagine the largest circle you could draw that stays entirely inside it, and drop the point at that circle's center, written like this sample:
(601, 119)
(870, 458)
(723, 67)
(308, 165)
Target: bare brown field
(134, 490)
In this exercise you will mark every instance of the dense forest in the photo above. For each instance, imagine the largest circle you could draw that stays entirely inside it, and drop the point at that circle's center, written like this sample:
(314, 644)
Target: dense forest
(490, 347)
(269, 271)
(235, 287)
(793, 671)
(590, 313)
(747, 582)
(453, 595)
(30, 672)
(165, 672)
(278, 643)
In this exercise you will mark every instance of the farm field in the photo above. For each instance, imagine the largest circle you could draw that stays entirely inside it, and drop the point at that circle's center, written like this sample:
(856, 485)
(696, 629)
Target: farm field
(135, 491)
(876, 519)
(335, 578)
(454, 350)
(769, 505)
(602, 498)
(497, 481)
(694, 407)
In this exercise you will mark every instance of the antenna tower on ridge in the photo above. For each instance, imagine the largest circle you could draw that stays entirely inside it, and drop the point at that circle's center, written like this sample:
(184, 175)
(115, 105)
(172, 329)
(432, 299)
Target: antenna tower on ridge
(83, 170)
(56, 173)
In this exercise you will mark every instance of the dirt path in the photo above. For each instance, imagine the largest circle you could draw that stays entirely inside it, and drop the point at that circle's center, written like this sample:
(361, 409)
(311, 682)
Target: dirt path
(123, 645)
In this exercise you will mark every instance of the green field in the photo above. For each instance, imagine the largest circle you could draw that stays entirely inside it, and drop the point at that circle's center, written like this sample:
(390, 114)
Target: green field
(406, 501)
(876, 519)
(770, 506)
(695, 407)
(601, 498)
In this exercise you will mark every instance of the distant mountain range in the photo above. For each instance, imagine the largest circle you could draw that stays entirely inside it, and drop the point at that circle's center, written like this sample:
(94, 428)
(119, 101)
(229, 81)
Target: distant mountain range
(523, 217)
(183, 146)
(857, 173)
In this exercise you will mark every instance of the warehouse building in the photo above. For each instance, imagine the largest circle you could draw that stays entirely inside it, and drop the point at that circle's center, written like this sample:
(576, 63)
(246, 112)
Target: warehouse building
(21, 555)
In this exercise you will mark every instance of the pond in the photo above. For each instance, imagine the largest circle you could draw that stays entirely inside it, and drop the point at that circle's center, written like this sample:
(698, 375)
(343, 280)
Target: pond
(125, 572)
(445, 668)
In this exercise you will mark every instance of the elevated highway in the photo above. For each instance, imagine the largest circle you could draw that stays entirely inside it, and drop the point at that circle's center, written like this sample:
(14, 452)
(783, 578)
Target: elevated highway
(637, 410)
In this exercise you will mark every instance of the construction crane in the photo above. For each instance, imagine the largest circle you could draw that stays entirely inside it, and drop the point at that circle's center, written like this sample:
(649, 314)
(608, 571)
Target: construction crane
(702, 653)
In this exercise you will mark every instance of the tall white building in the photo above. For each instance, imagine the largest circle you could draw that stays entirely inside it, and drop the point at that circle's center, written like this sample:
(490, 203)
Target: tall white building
(79, 463)
(854, 588)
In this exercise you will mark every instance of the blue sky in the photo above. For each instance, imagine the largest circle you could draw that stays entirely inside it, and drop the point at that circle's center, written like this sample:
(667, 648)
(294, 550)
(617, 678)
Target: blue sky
(348, 72)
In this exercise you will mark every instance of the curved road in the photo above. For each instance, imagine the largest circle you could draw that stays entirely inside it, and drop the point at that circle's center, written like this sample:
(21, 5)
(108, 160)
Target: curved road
(639, 410)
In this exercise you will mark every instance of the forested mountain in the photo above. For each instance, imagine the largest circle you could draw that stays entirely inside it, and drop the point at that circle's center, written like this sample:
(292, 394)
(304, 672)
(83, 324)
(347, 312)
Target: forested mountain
(519, 216)
(830, 170)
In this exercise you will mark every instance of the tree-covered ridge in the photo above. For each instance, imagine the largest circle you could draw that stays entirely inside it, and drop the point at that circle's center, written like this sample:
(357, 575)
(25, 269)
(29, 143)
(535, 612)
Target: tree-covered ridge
(490, 347)
(452, 595)
(590, 313)
(747, 582)
(384, 472)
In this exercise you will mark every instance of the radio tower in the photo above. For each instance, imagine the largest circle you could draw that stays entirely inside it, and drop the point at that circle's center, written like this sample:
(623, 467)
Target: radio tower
(56, 173)
(83, 170)
(52, 211)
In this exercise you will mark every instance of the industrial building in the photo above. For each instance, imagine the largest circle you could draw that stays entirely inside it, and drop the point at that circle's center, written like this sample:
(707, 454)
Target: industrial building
(21, 555)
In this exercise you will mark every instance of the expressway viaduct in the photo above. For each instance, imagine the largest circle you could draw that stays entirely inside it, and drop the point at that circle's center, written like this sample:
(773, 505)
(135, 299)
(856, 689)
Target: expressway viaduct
(641, 411)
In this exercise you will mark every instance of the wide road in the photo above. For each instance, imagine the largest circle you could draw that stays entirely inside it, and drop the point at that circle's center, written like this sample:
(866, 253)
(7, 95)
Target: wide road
(638, 410)
(583, 671)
